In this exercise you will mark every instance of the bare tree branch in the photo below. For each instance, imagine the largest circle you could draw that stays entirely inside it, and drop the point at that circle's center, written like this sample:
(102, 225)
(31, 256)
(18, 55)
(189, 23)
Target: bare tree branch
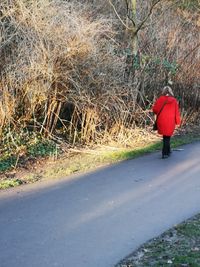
(140, 26)
(190, 52)
(117, 14)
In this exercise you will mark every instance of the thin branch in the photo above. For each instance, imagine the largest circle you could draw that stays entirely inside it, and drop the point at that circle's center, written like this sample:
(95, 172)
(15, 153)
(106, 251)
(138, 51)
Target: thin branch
(140, 26)
(127, 8)
(147, 16)
(132, 20)
(190, 52)
(117, 14)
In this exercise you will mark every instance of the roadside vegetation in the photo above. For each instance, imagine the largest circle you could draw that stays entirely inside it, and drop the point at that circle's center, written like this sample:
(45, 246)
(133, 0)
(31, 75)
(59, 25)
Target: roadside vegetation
(77, 82)
(177, 247)
(79, 75)
(46, 161)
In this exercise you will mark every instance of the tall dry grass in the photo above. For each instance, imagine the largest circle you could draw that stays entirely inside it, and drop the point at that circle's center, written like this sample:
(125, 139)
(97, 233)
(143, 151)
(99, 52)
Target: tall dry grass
(52, 52)
(172, 36)
(62, 64)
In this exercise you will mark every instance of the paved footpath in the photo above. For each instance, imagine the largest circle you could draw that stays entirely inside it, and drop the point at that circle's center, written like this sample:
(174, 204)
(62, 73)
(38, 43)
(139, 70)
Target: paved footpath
(96, 219)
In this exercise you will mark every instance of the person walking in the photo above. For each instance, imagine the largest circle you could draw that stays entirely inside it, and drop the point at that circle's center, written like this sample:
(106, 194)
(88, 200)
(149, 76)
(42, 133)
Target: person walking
(168, 116)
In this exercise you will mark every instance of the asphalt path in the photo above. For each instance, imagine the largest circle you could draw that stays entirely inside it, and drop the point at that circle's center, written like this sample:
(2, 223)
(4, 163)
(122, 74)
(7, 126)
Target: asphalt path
(96, 219)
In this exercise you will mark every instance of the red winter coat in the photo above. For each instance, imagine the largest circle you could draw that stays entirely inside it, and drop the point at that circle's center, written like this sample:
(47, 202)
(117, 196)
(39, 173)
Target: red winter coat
(169, 116)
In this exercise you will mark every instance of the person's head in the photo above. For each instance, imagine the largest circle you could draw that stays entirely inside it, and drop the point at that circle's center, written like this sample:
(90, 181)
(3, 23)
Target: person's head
(167, 90)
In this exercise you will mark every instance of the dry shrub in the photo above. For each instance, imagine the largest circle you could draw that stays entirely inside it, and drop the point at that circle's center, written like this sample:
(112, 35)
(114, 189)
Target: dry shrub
(7, 104)
(53, 52)
(173, 36)
(111, 116)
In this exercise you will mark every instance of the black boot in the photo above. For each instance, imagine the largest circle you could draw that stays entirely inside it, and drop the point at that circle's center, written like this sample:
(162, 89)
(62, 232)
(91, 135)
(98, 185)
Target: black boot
(166, 147)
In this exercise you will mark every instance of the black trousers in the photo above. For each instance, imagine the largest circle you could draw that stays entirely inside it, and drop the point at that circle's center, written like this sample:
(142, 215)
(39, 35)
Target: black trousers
(166, 145)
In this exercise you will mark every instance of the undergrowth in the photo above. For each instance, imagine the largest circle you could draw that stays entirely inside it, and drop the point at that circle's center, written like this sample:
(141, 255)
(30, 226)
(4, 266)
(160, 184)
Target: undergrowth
(18, 148)
(59, 164)
(177, 247)
(9, 183)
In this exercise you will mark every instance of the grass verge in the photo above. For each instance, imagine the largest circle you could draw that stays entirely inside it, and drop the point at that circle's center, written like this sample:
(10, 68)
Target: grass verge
(80, 161)
(18, 150)
(177, 247)
(9, 183)
(126, 154)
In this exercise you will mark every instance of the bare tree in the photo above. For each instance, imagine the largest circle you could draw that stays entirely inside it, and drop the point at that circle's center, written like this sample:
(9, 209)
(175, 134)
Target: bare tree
(133, 25)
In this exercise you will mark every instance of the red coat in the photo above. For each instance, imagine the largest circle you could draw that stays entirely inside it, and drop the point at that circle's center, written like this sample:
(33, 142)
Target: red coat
(169, 116)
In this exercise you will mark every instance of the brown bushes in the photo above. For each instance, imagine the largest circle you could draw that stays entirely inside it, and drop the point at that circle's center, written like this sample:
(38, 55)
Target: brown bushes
(172, 38)
(57, 53)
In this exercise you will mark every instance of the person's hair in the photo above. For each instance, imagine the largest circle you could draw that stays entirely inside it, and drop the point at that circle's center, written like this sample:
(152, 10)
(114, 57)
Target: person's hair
(167, 90)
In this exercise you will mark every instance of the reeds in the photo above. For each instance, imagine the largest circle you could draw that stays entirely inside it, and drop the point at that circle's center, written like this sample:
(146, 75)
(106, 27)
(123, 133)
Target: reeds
(62, 65)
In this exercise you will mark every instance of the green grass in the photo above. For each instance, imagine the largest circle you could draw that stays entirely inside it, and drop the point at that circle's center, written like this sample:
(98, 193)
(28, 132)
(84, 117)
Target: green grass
(130, 154)
(81, 162)
(9, 183)
(42, 148)
(177, 247)
(33, 149)
(133, 153)
(7, 163)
